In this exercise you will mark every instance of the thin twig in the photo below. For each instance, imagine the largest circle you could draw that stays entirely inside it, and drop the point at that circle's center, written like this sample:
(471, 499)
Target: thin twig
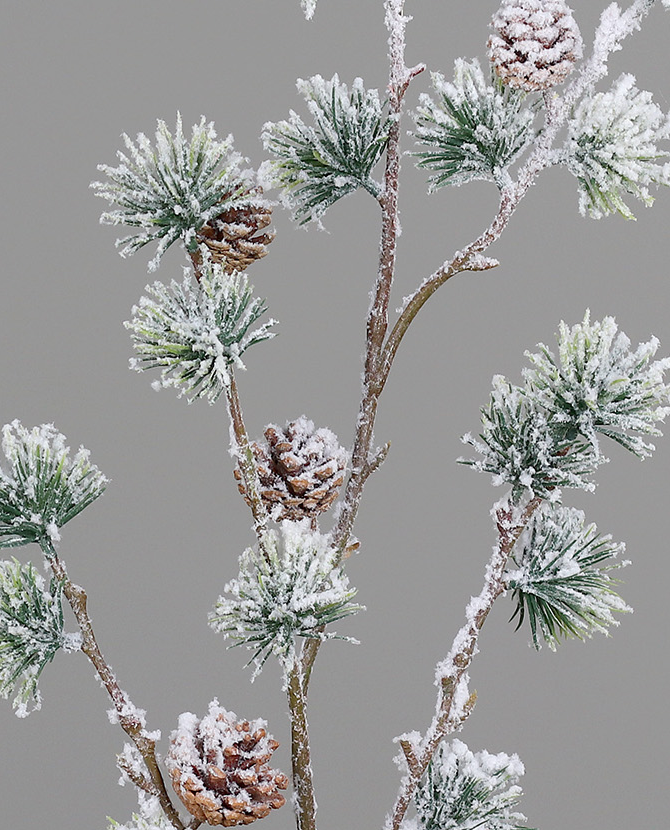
(454, 703)
(128, 716)
(247, 462)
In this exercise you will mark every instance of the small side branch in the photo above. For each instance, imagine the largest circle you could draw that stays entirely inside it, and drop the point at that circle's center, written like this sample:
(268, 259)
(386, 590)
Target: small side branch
(128, 716)
(245, 457)
(454, 702)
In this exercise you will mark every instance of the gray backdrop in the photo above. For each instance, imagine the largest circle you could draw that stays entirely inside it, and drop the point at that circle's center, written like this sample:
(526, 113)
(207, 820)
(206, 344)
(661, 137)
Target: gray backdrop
(591, 721)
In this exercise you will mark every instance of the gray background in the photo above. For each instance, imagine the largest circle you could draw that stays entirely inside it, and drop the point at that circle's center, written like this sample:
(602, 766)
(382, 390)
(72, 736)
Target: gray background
(591, 721)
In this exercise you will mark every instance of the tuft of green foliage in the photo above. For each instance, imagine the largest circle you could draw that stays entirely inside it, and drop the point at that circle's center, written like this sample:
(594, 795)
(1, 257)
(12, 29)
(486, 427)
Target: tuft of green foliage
(44, 488)
(520, 446)
(314, 166)
(462, 790)
(171, 189)
(31, 632)
(475, 130)
(561, 582)
(195, 331)
(612, 148)
(599, 385)
(295, 592)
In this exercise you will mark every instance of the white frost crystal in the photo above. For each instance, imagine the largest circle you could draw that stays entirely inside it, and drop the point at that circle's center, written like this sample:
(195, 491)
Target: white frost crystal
(195, 331)
(612, 148)
(293, 593)
(309, 7)
(464, 790)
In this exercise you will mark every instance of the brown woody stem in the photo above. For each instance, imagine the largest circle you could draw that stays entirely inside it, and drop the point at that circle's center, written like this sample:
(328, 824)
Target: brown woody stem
(303, 787)
(247, 462)
(451, 711)
(128, 716)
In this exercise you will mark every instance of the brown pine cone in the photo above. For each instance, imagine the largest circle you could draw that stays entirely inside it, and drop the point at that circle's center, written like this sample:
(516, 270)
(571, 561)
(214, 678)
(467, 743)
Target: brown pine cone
(300, 469)
(219, 769)
(535, 43)
(232, 237)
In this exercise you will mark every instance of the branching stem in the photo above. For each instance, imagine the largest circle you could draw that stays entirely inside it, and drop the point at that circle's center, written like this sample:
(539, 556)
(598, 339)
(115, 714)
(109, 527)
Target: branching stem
(127, 713)
(453, 703)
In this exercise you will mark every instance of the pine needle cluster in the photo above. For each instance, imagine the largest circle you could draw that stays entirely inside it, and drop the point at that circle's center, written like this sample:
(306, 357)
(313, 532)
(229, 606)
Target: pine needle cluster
(293, 592)
(45, 487)
(171, 189)
(599, 385)
(194, 331)
(544, 435)
(314, 166)
(475, 129)
(612, 148)
(463, 790)
(31, 632)
(561, 582)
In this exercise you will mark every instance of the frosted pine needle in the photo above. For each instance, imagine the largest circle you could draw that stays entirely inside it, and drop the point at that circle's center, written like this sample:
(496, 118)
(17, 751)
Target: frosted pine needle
(613, 148)
(45, 486)
(464, 790)
(314, 166)
(171, 189)
(474, 130)
(195, 331)
(31, 632)
(599, 385)
(561, 582)
(292, 594)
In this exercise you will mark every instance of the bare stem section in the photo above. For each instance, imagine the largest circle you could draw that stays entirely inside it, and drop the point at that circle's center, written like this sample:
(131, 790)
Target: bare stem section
(129, 718)
(245, 458)
(303, 787)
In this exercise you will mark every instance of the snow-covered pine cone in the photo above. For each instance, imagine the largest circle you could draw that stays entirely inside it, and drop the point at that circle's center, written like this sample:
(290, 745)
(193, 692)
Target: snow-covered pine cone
(219, 769)
(535, 43)
(301, 469)
(233, 237)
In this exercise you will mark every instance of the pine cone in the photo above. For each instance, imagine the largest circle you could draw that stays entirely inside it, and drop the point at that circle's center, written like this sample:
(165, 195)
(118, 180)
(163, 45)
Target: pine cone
(300, 470)
(230, 236)
(536, 43)
(219, 770)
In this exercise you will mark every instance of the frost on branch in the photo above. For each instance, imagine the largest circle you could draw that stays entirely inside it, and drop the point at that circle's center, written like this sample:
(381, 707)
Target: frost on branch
(293, 593)
(44, 487)
(612, 148)
(561, 581)
(464, 790)
(195, 331)
(599, 385)
(31, 632)
(474, 130)
(316, 166)
(170, 190)
(520, 446)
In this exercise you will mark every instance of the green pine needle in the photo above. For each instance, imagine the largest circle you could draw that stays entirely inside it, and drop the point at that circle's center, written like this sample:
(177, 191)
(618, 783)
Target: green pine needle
(474, 130)
(561, 583)
(315, 166)
(45, 487)
(31, 632)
